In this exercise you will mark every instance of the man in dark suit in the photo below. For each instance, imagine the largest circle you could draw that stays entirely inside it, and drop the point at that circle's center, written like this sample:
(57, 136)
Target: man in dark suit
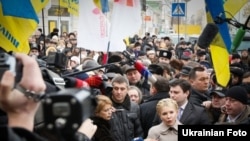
(199, 80)
(159, 90)
(189, 113)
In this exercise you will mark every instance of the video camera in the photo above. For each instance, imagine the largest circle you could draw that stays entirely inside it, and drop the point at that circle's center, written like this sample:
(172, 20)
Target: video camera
(65, 110)
(56, 60)
(61, 111)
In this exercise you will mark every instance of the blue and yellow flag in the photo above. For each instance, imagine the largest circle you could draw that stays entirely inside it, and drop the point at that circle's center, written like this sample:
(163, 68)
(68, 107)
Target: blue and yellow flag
(18, 20)
(102, 5)
(72, 5)
(221, 45)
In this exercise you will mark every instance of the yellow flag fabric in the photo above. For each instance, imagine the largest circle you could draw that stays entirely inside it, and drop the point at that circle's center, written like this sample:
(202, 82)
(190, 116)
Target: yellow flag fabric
(72, 5)
(39, 4)
(127, 42)
(18, 20)
(221, 64)
(98, 3)
(233, 6)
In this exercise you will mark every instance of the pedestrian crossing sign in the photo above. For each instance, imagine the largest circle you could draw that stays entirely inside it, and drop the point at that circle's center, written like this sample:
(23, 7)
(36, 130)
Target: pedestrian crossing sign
(178, 9)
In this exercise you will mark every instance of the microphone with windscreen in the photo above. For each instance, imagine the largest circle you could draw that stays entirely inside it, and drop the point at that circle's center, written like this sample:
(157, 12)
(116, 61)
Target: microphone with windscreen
(207, 36)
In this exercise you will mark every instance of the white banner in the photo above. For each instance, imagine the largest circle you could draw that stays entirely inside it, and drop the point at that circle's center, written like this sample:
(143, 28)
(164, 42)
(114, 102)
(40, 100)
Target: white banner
(126, 21)
(93, 27)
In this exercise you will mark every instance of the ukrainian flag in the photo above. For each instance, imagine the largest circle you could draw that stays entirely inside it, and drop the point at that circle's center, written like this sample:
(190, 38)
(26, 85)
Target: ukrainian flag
(102, 5)
(72, 5)
(18, 20)
(221, 45)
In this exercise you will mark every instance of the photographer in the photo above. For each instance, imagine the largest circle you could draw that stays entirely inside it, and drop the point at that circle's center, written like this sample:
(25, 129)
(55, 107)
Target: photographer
(21, 103)
(21, 110)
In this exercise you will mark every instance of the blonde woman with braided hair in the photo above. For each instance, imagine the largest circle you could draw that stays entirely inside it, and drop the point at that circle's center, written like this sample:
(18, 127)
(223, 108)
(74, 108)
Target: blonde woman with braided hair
(167, 130)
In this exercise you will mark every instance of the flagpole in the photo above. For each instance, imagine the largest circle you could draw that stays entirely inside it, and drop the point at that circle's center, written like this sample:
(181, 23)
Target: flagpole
(59, 15)
(107, 53)
(44, 50)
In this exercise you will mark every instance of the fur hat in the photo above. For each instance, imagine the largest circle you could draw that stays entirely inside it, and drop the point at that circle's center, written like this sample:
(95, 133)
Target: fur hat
(165, 54)
(33, 46)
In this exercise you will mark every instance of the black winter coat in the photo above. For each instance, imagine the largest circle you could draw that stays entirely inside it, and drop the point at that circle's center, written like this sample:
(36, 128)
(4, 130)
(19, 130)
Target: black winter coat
(103, 130)
(18, 134)
(125, 122)
(197, 98)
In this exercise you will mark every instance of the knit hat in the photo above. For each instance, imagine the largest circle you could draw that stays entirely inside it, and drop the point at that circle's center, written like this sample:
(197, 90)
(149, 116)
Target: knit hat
(238, 93)
(76, 59)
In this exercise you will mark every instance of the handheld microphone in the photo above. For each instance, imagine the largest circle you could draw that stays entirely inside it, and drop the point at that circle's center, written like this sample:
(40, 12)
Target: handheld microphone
(207, 36)
(145, 72)
(72, 82)
(140, 67)
(238, 38)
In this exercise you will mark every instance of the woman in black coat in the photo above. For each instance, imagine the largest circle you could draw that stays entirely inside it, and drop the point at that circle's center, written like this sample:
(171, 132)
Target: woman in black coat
(103, 113)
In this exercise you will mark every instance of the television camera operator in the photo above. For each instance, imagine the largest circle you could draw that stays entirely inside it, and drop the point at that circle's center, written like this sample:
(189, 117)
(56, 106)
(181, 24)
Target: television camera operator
(20, 101)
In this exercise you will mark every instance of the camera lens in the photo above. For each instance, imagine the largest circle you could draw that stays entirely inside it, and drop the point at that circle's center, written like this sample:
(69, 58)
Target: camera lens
(2, 55)
(61, 109)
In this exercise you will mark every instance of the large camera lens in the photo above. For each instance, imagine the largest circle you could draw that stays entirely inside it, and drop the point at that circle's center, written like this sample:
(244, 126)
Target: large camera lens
(61, 109)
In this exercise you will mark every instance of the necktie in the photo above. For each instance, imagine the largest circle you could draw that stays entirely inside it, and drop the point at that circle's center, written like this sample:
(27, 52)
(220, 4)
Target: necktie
(179, 113)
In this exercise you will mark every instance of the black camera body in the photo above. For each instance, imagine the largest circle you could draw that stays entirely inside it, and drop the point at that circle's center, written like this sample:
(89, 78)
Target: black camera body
(65, 110)
(130, 58)
(9, 62)
(56, 59)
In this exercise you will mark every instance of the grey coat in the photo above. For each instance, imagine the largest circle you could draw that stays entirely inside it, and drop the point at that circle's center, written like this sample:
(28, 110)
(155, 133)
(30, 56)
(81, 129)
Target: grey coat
(162, 132)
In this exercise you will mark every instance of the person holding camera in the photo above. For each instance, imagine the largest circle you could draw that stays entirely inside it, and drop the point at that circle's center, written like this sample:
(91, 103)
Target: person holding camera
(20, 101)
(19, 108)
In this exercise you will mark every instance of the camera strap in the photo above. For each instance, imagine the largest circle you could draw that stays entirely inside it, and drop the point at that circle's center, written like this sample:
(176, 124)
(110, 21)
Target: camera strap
(55, 78)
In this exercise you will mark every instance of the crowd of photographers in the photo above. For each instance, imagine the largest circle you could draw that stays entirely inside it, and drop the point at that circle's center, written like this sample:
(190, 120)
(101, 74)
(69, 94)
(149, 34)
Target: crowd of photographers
(144, 92)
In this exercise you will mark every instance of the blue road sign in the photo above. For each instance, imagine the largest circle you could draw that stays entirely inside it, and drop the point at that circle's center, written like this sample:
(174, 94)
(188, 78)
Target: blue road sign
(178, 9)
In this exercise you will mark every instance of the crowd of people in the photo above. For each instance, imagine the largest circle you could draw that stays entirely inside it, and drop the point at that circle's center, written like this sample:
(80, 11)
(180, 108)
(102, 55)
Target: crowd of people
(128, 103)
